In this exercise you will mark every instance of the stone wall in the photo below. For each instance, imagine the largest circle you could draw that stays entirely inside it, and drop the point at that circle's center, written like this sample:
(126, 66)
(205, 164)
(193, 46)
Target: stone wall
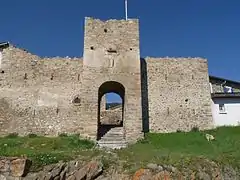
(36, 94)
(178, 94)
(111, 116)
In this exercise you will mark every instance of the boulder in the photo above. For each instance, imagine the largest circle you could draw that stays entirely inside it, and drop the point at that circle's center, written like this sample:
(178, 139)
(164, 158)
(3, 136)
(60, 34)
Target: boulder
(2, 177)
(162, 175)
(89, 171)
(19, 167)
(4, 165)
(152, 166)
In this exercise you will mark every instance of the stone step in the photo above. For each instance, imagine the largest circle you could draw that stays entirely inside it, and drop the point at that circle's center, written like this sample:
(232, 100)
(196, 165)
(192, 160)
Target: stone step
(110, 138)
(113, 134)
(117, 128)
(113, 139)
(112, 144)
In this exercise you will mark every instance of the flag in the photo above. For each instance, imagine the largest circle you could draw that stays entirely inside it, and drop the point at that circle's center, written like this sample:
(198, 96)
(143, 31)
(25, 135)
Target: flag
(126, 9)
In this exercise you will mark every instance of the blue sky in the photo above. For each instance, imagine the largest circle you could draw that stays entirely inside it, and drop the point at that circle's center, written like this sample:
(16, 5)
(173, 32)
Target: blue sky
(205, 28)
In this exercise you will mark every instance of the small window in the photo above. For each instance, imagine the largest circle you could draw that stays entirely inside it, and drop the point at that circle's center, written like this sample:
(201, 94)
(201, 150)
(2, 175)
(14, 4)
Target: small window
(76, 101)
(110, 50)
(222, 109)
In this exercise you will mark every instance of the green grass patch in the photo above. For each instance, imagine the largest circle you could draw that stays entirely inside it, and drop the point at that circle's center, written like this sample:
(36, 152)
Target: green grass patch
(45, 150)
(179, 149)
(183, 148)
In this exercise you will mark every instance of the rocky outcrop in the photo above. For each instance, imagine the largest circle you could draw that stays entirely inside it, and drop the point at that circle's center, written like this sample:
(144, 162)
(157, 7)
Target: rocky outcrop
(18, 168)
(11, 168)
(15, 167)
(206, 171)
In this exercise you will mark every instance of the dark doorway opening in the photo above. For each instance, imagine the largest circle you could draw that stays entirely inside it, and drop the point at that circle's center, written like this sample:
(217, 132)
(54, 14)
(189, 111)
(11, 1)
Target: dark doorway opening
(110, 108)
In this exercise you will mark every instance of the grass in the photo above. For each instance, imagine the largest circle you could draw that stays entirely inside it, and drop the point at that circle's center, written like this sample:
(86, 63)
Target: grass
(45, 150)
(178, 149)
(183, 148)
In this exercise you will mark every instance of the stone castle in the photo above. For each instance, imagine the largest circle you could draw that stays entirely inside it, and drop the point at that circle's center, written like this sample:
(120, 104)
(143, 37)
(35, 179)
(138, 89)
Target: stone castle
(49, 96)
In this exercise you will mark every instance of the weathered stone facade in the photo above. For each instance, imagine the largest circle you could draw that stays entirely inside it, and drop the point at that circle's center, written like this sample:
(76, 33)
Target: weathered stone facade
(178, 94)
(63, 95)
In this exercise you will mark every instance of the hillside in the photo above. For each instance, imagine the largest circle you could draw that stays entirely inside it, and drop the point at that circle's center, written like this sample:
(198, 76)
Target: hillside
(187, 152)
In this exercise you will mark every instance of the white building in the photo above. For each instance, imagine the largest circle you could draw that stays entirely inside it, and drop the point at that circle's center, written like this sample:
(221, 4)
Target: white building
(225, 101)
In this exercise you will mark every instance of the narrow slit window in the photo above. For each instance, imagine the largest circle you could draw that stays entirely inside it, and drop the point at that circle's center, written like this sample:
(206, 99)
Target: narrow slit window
(222, 108)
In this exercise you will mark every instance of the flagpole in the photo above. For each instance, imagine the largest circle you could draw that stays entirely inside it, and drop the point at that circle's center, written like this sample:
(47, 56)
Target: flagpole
(126, 10)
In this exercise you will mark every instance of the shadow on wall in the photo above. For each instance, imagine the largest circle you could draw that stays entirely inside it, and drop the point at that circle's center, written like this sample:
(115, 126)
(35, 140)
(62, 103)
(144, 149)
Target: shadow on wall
(144, 86)
(5, 116)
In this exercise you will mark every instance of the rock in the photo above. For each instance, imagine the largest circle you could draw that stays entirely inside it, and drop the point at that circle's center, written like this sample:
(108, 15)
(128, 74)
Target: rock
(229, 173)
(103, 178)
(73, 165)
(160, 168)
(203, 176)
(32, 176)
(19, 167)
(162, 175)
(89, 171)
(48, 168)
(43, 176)
(142, 174)
(63, 173)
(71, 177)
(2, 177)
(4, 165)
(152, 166)
(48, 176)
(56, 171)
(170, 168)
(56, 178)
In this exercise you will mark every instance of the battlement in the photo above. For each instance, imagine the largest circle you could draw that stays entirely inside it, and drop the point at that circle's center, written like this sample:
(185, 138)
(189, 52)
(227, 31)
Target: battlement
(110, 40)
(112, 35)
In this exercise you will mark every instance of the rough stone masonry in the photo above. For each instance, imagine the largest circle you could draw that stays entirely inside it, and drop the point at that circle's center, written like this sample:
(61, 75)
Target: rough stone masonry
(49, 96)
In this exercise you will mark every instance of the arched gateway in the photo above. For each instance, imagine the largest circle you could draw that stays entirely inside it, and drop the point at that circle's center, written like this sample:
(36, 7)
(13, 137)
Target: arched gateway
(109, 129)
(111, 63)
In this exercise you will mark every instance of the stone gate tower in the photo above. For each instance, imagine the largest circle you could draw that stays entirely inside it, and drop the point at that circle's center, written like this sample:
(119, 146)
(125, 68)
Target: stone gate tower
(111, 63)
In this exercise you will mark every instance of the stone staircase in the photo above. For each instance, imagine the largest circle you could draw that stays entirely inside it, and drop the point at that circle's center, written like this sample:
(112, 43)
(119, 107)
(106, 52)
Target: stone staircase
(113, 139)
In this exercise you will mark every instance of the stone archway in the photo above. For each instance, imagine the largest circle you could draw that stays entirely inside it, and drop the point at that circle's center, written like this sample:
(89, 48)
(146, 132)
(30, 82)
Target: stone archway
(113, 130)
